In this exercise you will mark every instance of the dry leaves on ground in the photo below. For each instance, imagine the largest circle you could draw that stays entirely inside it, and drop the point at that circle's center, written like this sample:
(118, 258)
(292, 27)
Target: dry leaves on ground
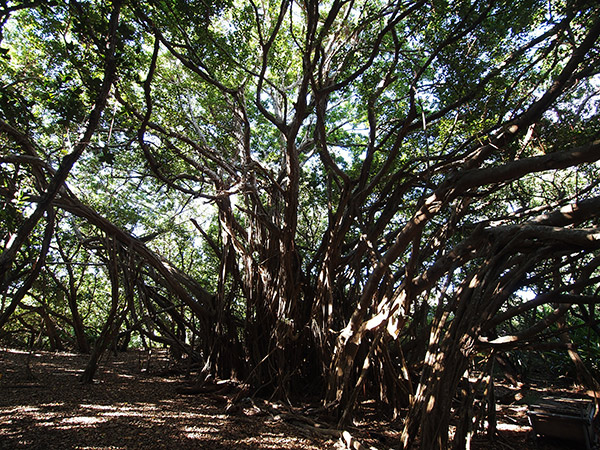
(134, 404)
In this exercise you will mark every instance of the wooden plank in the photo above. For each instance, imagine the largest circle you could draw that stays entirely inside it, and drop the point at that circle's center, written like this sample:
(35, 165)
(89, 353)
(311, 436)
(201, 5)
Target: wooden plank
(563, 418)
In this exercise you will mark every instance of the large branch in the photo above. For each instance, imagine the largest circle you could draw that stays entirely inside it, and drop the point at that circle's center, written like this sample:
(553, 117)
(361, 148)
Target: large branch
(472, 177)
(67, 163)
(570, 214)
(517, 169)
(511, 341)
(557, 297)
(200, 302)
(584, 238)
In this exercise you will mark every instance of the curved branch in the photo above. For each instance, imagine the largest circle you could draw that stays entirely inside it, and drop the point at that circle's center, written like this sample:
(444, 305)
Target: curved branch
(67, 163)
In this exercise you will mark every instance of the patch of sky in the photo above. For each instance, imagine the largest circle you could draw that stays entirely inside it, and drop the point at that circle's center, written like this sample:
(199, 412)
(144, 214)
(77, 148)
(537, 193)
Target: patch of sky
(586, 105)
(526, 294)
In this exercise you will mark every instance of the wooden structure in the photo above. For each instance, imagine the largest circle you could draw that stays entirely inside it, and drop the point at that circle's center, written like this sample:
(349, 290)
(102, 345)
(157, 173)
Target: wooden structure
(564, 418)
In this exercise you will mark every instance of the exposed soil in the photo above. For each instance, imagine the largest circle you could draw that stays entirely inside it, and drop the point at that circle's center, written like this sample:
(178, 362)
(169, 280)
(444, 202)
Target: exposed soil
(134, 404)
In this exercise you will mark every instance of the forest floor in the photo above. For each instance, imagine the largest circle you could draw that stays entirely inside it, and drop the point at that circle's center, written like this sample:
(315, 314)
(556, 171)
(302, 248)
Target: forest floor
(135, 404)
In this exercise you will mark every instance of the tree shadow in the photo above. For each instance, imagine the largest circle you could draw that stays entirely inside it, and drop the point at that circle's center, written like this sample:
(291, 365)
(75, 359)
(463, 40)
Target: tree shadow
(122, 410)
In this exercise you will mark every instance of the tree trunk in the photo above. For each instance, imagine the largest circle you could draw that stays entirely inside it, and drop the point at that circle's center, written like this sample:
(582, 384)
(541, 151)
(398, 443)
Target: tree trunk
(51, 331)
(112, 324)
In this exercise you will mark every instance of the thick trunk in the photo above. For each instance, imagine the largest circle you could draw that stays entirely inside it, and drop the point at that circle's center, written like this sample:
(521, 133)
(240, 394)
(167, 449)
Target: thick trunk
(80, 338)
(83, 345)
(431, 409)
(51, 331)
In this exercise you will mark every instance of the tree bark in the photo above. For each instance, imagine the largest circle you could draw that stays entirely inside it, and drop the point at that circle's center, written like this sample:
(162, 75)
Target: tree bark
(35, 271)
(113, 320)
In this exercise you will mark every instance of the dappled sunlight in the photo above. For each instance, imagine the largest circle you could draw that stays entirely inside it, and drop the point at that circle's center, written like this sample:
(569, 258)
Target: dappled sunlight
(153, 380)
(430, 404)
(122, 375)
(216, 206)
(22, 409)
(14, 351)
(145, 407)
(123, 408)
(97, 407)
(52, 405)
(195, 432)
(83, 420)
(513, 427)
(99, 448)
(58, 412)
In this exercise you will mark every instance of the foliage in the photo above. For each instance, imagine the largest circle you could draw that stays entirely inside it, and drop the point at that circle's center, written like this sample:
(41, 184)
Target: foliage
(371, 198)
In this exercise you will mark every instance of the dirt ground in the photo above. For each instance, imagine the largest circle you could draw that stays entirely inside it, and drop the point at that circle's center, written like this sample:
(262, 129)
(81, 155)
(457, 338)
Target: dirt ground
(134, 404)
